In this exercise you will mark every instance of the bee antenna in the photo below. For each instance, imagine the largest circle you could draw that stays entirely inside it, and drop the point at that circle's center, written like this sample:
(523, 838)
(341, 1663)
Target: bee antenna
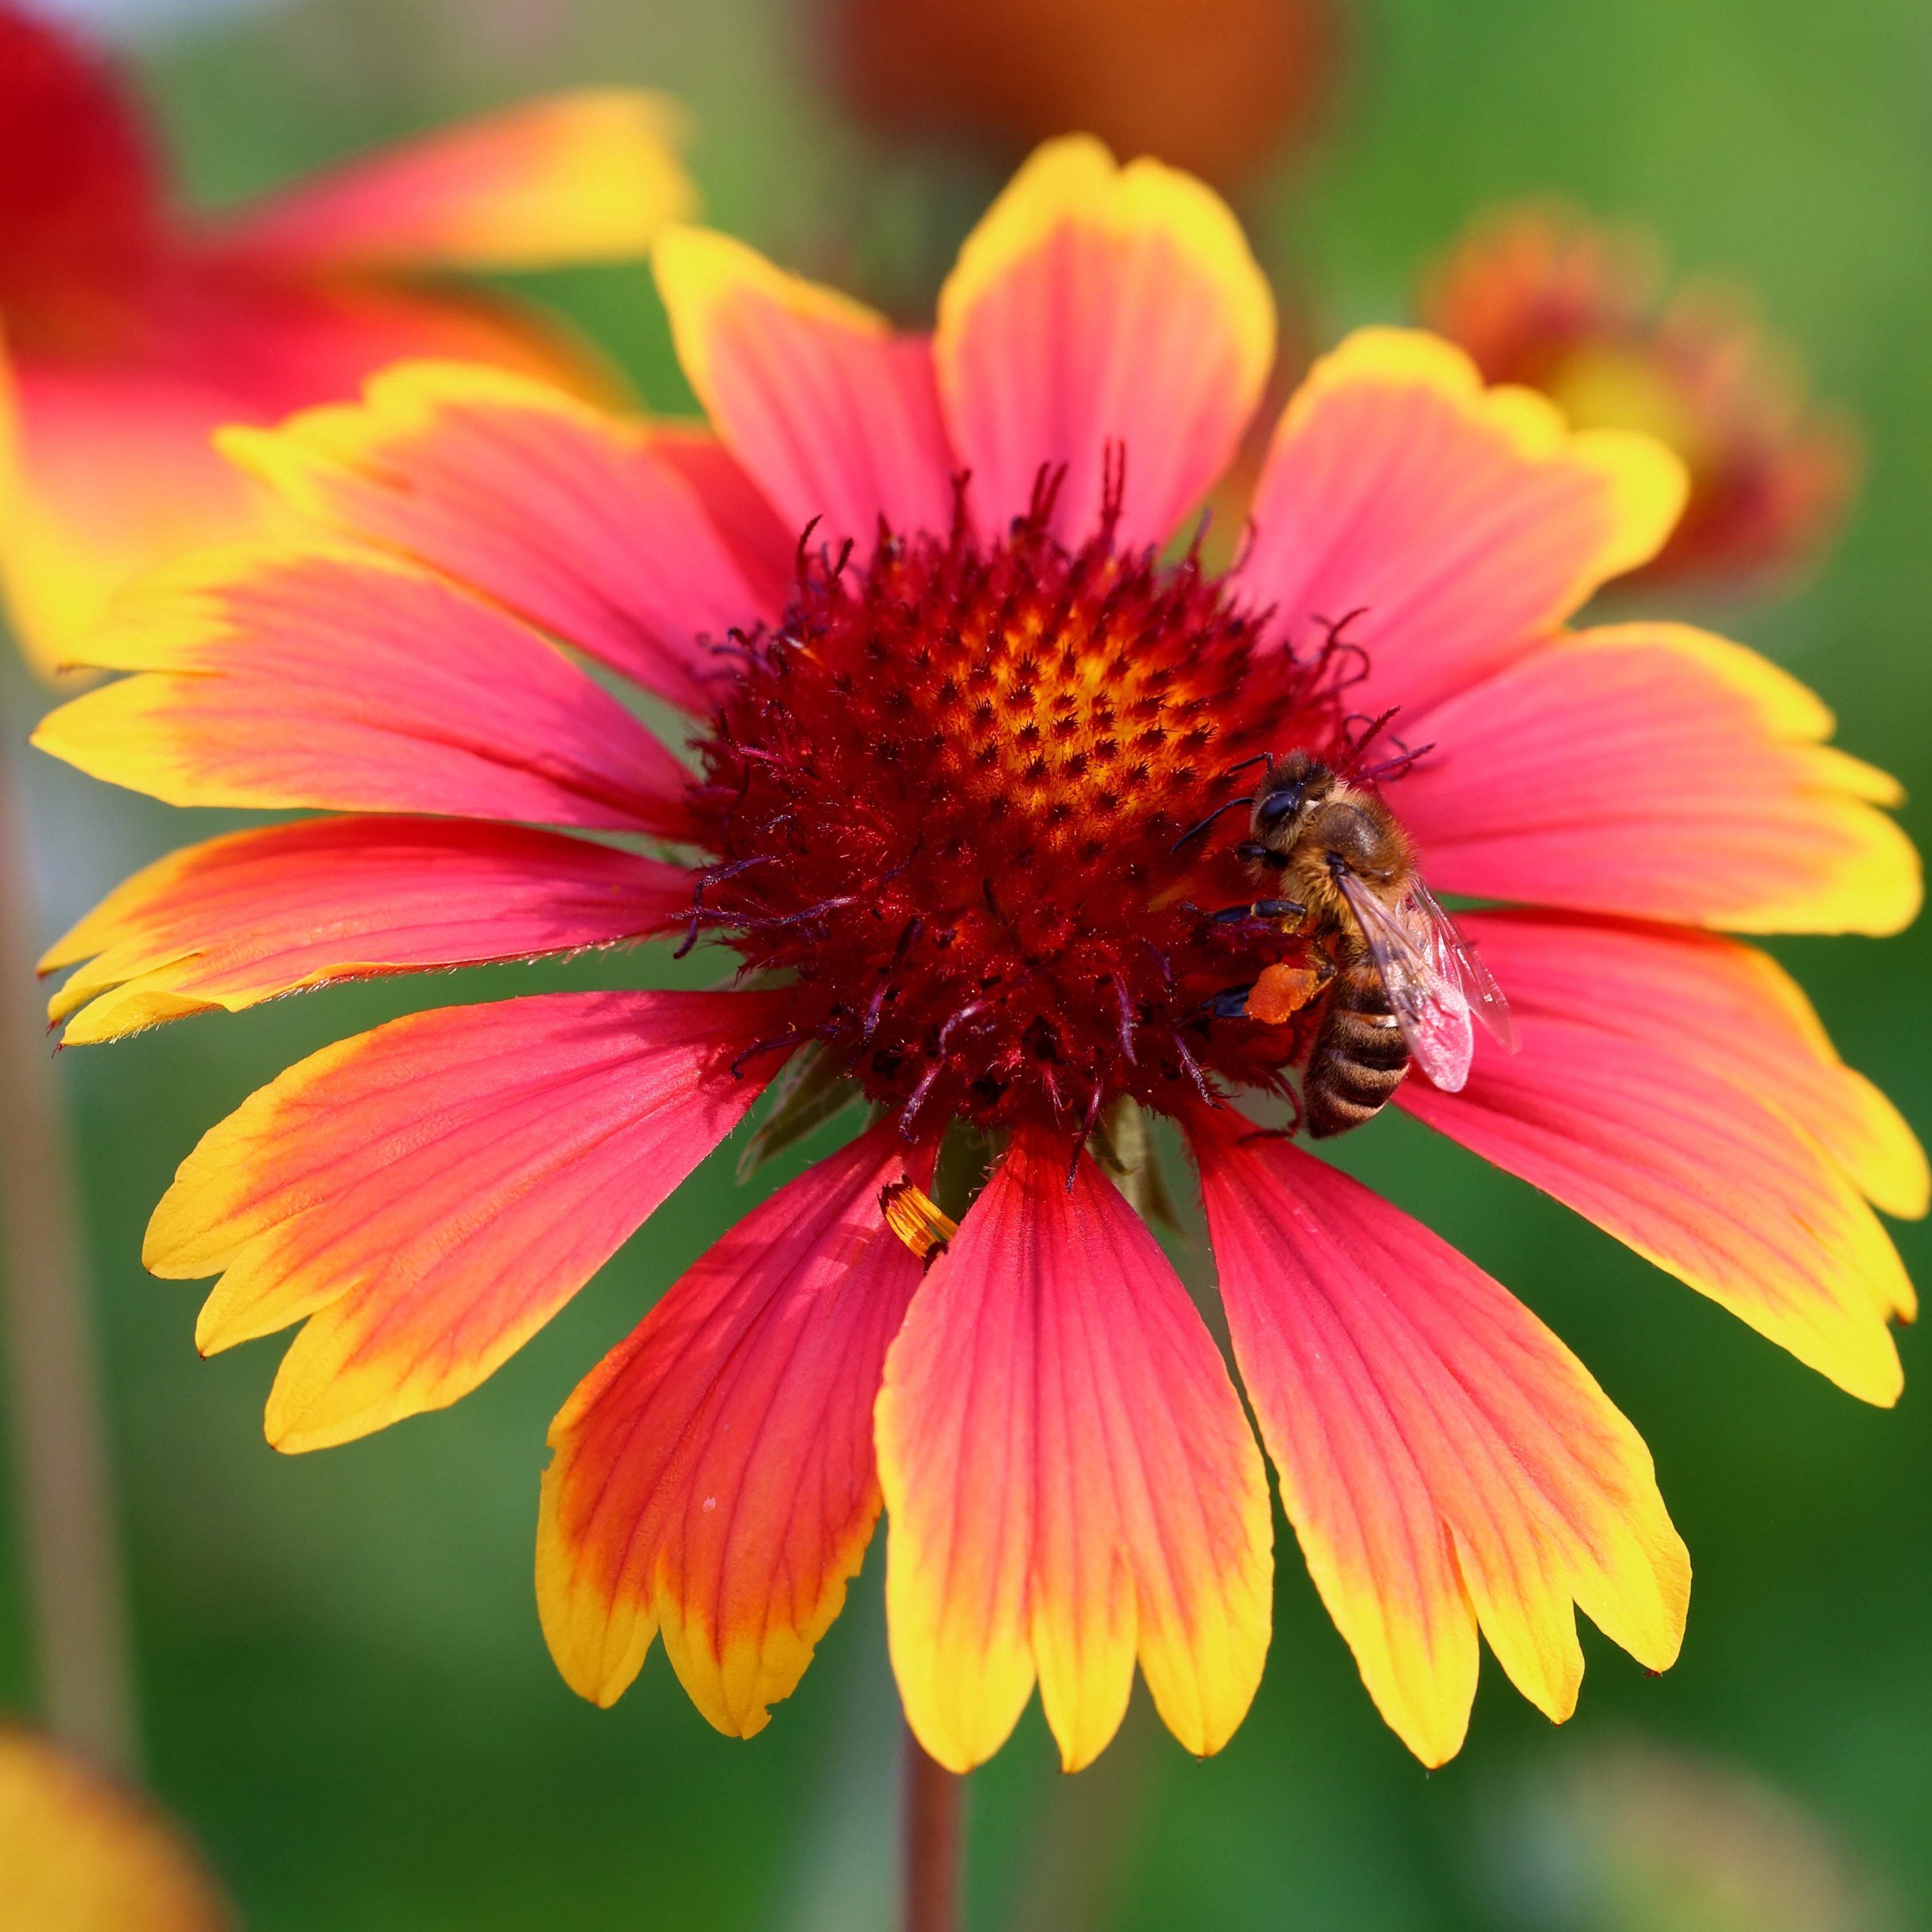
(1194, 831)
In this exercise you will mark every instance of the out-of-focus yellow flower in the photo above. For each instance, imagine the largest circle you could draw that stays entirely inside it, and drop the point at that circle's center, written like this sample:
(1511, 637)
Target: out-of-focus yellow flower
(80, 1853)
(1539, 295)
(128, 334)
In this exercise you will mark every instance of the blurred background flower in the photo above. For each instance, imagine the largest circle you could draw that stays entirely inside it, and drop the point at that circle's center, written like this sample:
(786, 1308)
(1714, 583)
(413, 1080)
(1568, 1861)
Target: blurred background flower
(1221, 87)
(80, 1852)
(132, 331)
(1631, 1834)
(1541, 295)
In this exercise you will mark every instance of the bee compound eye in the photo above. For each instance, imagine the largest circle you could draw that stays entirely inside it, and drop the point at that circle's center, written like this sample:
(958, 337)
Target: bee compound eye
(1278, 807)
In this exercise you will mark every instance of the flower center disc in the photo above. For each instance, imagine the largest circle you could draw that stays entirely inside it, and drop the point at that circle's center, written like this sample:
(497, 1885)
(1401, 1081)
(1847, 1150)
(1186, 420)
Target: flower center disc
(945, 796)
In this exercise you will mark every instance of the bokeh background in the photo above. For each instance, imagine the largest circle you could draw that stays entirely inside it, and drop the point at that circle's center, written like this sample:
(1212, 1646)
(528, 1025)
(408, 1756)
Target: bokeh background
(346, 1696)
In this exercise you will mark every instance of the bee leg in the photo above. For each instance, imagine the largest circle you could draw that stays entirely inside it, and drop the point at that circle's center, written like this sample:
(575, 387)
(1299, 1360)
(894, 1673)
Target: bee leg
(1258, 909)
(1230, 1004)
(1252, 852)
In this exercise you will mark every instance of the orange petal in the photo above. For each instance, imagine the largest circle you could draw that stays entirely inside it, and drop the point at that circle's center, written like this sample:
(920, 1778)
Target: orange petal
(586, 176)
(80, 1853)
(257, 914)
(835, 417)
(1658, 771)
(714, 1475)
(1732, 1008)
(430, 1194)
(1459, 525)
(1094, 305)
(1691, 1169)
(560, 511)
(1070, 1481)
(1446, 1463)
(278, 676)
(106, 468)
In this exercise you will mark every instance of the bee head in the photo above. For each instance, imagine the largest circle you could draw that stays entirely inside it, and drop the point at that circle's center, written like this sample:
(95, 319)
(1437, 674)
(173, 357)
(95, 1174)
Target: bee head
(1294, 784)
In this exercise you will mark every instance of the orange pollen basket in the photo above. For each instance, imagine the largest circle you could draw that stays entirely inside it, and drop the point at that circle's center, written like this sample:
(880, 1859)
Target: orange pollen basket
(945, 796)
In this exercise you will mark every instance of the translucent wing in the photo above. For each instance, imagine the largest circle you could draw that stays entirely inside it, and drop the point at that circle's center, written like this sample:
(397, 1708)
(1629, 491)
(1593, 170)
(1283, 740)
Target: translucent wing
(1453, 953)
(1430, 1007)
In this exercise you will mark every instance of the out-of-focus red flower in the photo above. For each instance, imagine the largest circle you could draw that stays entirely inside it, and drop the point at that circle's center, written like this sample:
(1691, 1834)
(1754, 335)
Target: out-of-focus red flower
(1220, 87)
(128, 334)
(1541, 295)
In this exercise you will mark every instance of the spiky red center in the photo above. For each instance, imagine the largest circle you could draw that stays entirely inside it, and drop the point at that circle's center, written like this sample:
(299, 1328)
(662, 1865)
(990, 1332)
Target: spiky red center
(944, 795)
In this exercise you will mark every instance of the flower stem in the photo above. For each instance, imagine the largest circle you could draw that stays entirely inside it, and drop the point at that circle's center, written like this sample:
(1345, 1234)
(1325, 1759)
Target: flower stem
(933, 1817)
(70, 1551)
(934, 1842)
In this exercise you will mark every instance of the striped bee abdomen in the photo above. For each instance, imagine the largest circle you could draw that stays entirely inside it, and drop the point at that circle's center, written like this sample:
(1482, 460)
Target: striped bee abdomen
(1360, 1055)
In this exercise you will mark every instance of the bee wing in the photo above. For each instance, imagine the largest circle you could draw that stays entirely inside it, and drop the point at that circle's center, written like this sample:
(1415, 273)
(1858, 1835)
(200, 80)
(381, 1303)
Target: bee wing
(1454, 956)
(1430, 1008)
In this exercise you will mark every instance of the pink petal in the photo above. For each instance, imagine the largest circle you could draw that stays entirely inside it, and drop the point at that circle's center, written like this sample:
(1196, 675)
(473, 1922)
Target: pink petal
(1446, 1461)
(588, 176)
(1692, 1170)
(1730, 1008)
(430, 1194)
(714, 1474)
(107, 462)
(561, 512)
(1658, 771)
(1096, 304)
(834, 416)
(1070, 1481)
(257, 914)
(277, 677)
(1460, 525)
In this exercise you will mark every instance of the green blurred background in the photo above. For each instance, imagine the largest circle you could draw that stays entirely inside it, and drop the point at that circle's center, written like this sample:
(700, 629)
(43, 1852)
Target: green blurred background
(346, 1693)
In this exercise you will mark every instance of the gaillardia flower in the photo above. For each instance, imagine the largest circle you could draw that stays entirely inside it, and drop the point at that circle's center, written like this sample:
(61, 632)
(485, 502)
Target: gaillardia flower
(1539, 295)
(960, 703)
(127, 336)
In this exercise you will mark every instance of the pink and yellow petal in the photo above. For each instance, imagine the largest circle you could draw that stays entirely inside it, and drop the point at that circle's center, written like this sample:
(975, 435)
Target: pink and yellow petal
(1657, 771)
(257, 914)
(106, 468)
(1094, 306)
(1459, 525)
(1729, 1006)
(714, 1476)
(1693, 1170)
(590, 175)
(834, 416)
(1447, 1464)
(561, 512)
(430, 1193)
(306, 677)
(1070, 1481)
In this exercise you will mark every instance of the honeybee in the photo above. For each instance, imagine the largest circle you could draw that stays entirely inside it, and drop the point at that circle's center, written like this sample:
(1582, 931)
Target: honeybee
(1406, 980)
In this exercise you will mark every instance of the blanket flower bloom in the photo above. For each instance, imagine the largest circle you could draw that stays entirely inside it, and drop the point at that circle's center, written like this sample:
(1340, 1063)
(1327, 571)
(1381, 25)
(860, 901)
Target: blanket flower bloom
(128, 335)
(956, 700)
(1542, 296)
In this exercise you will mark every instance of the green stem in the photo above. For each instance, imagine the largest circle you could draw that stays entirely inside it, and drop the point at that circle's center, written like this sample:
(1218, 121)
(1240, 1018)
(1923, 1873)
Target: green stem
(70, 1548)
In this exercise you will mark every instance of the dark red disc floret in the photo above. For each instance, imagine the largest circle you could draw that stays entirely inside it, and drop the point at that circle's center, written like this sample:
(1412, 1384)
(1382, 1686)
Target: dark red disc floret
(943, 798)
